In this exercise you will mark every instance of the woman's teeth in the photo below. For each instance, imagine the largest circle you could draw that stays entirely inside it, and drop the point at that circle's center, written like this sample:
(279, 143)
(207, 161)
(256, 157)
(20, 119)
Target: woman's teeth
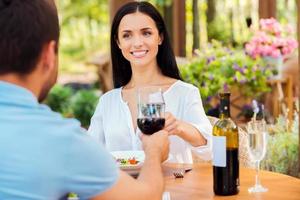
(139, 53)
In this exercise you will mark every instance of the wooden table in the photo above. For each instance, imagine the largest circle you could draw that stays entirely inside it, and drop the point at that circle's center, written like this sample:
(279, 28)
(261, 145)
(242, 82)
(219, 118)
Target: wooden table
(198, 184)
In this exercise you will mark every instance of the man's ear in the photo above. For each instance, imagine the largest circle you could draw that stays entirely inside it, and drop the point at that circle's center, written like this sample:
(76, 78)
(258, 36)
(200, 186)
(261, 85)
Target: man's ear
(49, 55)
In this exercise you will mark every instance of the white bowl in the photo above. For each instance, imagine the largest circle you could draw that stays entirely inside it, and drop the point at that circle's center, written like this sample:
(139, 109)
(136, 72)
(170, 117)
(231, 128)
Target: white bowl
(138, 155)
(132, 169)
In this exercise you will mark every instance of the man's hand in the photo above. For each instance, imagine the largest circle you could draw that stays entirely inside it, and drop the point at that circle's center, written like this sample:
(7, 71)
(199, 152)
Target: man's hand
(150, 183)
(157, 144)
(172, 125)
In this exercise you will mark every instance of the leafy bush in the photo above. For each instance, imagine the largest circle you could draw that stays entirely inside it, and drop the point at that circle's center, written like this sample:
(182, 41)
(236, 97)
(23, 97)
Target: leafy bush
(217, 67)
(83, 106)
(80, 104)
(282, 151)
(59, 99)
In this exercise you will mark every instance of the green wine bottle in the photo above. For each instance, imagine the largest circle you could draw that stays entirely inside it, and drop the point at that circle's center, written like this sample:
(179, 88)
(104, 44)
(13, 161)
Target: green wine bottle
(225, 151)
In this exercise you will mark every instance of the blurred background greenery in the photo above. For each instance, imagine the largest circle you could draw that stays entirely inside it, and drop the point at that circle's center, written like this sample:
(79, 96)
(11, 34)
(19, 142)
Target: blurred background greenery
(85, 25)
(216, 32)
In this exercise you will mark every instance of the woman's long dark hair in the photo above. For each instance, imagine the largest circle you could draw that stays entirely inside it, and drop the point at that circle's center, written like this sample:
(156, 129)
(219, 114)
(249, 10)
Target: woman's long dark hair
(165, 56)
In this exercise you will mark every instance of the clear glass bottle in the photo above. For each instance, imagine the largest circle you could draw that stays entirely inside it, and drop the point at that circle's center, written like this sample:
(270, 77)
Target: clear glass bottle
(225, 151)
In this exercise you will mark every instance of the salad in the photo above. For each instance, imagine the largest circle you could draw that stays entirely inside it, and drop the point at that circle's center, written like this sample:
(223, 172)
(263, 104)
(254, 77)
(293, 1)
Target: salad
(127, 161)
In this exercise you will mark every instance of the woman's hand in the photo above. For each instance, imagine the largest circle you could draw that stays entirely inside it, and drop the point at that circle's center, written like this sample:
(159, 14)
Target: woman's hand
(184, 130)
(172, 125)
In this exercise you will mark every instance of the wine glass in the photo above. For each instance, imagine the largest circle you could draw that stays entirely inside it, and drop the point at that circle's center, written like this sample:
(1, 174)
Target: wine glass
(151, 109)
(257, 145)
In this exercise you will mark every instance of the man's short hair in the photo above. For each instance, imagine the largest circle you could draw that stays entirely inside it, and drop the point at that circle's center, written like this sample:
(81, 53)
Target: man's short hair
(25, 27)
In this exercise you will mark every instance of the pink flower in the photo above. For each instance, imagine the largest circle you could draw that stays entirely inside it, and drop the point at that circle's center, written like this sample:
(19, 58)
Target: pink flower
(271, 39)
(285, 50)
(267, 50)
(276, 53)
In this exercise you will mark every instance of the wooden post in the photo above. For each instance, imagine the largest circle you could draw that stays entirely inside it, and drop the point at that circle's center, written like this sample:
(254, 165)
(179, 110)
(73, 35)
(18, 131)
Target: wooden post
(114, 5)
(196, 27)
(267, 9)
(298, 8)
(179, 30)
(211, 14)
(211, 11)
(168, 18)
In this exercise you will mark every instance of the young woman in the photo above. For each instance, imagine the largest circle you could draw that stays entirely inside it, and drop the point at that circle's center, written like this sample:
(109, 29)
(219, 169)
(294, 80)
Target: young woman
(142, 56)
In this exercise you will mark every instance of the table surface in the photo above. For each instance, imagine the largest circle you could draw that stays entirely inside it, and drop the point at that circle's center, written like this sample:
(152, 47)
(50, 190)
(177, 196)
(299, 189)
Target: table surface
(198, 184)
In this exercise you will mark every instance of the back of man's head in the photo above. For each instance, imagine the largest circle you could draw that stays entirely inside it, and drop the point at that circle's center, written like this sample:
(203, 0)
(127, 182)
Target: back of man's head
(25, 27)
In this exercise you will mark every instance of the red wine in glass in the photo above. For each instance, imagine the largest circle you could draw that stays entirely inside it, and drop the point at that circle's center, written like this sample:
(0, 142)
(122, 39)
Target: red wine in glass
(151, 110)
(149, 126)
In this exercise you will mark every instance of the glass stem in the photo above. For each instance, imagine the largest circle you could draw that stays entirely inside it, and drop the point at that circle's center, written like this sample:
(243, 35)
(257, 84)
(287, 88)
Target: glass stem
(257, 182)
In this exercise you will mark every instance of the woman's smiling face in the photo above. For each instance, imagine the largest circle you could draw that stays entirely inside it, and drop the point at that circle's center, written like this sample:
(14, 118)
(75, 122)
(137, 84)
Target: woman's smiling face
(138, 39)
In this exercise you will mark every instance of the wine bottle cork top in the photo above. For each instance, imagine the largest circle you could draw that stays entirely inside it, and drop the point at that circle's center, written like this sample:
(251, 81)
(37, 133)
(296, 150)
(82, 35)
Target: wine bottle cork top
(224, 94)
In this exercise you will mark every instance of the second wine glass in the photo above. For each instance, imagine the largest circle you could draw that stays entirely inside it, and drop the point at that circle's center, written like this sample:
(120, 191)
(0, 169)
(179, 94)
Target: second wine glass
(257, 145)
(151, 109)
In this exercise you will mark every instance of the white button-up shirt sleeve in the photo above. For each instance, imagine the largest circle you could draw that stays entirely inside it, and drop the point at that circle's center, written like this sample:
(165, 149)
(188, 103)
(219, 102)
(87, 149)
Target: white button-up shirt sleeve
(96, 129)
(195, 115)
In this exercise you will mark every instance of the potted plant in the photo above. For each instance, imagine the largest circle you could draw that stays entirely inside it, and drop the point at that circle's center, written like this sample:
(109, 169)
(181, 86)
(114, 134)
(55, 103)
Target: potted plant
(272, 41)
(218, 66)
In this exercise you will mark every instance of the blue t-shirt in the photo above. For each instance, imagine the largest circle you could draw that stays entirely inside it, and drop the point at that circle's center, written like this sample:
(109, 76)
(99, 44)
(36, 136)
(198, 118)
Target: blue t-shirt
(44, 156)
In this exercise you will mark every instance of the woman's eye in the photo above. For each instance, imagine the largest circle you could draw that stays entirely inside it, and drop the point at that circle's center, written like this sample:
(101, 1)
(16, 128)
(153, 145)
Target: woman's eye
(147, 33)
(126, 35)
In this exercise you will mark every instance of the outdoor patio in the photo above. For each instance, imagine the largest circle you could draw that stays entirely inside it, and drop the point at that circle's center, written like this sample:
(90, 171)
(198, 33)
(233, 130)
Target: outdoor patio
(218, 44)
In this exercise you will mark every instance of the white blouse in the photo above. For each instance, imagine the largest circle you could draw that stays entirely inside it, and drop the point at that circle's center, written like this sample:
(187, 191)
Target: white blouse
(112, 125)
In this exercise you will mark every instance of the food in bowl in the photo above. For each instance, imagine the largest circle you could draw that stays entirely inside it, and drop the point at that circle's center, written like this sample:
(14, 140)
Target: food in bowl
(125, 161)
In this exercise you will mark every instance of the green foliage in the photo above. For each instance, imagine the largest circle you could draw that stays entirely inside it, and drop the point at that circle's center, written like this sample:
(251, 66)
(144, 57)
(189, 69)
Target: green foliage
(282, 151)
(79, 9)
(217, 67)
(84, 31)
(59, 98)
(80, 104)
(83, 106)
(219, 30)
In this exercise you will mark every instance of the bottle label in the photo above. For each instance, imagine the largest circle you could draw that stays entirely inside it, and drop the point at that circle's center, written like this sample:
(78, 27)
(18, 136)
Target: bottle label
(219, 151)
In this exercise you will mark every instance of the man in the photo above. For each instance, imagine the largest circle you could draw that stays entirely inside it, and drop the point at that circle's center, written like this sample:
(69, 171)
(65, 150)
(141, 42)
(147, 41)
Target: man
(42, 155)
